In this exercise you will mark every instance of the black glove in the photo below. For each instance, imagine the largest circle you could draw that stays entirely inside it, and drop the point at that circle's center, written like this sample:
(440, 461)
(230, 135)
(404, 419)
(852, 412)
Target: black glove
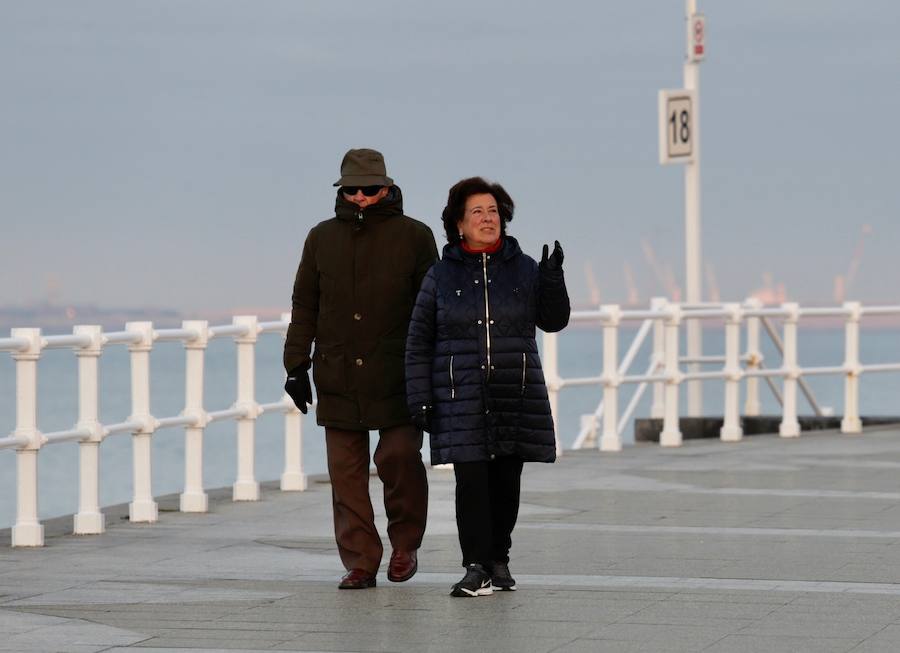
(555, 261)
(422, 419)
(297, 386)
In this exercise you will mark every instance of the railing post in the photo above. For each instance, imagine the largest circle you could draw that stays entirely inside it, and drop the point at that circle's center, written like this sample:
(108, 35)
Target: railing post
(658, 407)
(754, 359)
(27, 531)
(851, 422)
(246, 487)
(550, 365)
(671, 433)
(293, 477)
(588, 426)
(194, 499)
(142, 507)
(89, 520)
(609, 440)
(731, 428)
(790, 427)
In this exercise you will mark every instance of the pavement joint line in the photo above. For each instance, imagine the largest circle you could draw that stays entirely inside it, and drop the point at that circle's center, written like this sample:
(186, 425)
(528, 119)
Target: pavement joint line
(816, 494)
(709, 530)
(661, 582)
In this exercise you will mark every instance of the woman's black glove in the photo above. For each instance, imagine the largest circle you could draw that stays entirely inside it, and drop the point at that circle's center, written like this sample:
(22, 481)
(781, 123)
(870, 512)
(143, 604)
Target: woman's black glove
(422, 419)
(555, 261)
(297, 386)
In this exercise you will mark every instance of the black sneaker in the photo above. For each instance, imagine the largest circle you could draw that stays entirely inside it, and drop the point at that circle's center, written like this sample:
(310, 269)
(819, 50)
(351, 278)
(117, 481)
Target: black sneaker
(501, 579)
(476, 582)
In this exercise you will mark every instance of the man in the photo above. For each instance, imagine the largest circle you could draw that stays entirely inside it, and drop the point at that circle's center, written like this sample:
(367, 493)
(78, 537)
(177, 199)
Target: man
(354, 292)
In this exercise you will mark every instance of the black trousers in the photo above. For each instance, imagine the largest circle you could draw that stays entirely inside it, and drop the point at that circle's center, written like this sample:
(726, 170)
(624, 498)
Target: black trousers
(487, 505)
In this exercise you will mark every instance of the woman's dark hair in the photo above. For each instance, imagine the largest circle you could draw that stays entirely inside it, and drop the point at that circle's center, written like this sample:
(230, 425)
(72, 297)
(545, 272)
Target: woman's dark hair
(463, 190)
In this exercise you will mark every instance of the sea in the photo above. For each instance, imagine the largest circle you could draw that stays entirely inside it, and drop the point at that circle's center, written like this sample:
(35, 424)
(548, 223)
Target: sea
(580, 354)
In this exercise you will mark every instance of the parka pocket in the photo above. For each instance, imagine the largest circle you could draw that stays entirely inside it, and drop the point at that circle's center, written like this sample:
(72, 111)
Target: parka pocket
(383, 375)
(452, 382)
(524, 368)
(329, 371)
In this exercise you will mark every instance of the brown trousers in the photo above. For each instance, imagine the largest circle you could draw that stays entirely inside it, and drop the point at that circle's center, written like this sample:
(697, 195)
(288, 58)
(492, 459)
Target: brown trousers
(398, 459)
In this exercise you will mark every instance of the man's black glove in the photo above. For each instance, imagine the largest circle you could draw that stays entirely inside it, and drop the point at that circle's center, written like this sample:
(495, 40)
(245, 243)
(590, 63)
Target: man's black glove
(422, 419)
(297, 386)
(555, 261)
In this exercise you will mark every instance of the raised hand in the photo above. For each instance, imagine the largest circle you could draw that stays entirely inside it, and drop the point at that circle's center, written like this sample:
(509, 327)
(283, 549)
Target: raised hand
(555, 260)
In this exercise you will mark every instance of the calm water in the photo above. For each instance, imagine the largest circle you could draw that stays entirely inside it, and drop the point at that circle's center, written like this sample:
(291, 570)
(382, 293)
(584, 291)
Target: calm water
(580, 355)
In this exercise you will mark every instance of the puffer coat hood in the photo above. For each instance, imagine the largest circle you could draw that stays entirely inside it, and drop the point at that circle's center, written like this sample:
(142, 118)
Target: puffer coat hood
(471, 354)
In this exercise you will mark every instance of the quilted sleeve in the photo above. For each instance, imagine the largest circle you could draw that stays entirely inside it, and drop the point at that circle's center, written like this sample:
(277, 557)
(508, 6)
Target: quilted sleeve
(553, 301)
(420, 342)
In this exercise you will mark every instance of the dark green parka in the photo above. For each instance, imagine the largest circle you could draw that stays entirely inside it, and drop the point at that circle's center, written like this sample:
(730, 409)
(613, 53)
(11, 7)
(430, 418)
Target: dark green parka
(353, 295)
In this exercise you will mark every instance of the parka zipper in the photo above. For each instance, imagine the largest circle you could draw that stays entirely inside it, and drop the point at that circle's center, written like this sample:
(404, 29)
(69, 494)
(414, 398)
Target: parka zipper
(523, 373)
(487, 312)
(452, 385)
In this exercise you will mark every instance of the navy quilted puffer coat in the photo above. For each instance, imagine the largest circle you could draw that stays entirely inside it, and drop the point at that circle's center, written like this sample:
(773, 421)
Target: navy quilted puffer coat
(471, 354)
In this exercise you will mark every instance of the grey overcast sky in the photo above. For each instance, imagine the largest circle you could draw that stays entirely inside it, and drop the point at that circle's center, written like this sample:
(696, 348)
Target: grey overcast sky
(174, 153)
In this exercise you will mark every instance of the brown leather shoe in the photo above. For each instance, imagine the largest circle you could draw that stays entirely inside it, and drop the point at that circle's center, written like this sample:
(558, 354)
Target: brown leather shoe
(403, 566)
(357, 579)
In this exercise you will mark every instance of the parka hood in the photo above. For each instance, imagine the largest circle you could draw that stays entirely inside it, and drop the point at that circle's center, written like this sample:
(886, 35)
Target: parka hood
(391, 205)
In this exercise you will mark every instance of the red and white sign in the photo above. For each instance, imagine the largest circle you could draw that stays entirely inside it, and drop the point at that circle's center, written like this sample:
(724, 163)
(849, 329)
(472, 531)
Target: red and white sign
(696, 37)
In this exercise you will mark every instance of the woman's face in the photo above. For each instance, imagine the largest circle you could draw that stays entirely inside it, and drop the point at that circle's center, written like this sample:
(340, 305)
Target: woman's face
(480, 225)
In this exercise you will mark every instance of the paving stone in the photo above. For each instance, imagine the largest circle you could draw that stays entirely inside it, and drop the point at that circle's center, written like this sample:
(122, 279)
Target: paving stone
(752, 547)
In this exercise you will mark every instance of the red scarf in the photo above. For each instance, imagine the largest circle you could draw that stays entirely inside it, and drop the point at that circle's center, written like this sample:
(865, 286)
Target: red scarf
(490, 249)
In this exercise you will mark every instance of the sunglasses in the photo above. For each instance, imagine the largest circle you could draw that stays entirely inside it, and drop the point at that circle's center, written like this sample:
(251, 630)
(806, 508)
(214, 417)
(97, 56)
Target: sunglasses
(368, 191)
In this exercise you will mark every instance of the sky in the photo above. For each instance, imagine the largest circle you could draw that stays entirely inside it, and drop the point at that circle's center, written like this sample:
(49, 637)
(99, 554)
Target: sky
(175, 153)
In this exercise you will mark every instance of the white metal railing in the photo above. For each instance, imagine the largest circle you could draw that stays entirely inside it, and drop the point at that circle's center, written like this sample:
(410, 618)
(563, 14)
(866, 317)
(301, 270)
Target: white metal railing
(88, 342)
(664, 371)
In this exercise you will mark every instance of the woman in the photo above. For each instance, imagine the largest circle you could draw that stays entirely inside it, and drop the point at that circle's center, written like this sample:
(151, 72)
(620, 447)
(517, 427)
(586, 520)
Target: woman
(473, 374)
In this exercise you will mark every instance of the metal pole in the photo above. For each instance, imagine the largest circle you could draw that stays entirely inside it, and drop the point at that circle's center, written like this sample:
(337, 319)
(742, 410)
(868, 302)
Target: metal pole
(246, 488)
(89, 520)
(194, 498)
(293, 477)
(754, 359)
(27, 531)
(851, 422)
(731, 429)
(550, 363)
(609, 440)
(693, 255)
(671, 432)
(142, 507)
(790, 426)
(657, 408)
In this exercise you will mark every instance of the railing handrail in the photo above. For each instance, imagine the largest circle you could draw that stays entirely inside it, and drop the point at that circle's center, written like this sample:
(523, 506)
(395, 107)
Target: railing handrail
(88, 342)
(664, 372)
(737, 367)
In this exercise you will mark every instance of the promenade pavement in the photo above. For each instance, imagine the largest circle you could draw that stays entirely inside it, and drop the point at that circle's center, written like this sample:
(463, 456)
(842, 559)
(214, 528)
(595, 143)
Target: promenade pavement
(764, 545)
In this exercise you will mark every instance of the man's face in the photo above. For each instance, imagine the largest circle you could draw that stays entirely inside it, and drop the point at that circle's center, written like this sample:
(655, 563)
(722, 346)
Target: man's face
(358, 195)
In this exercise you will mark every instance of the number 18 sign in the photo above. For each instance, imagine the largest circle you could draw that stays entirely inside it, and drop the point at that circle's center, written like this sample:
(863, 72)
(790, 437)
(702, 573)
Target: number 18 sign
(676, 126)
